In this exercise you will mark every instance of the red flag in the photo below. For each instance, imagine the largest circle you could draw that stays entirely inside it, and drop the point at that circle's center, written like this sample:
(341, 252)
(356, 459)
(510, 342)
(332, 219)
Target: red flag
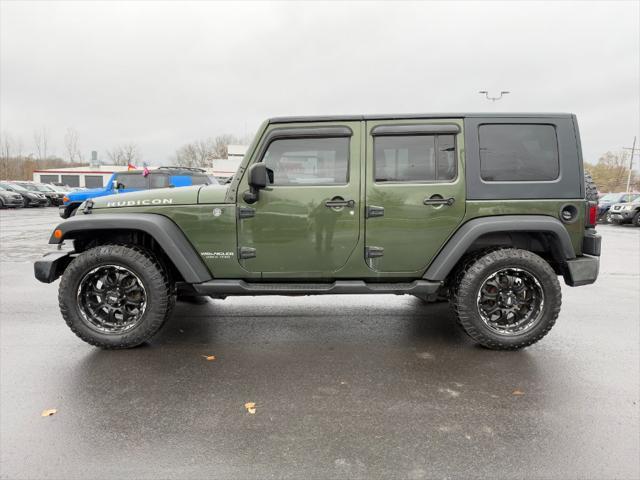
(131, 167)
(145, 172)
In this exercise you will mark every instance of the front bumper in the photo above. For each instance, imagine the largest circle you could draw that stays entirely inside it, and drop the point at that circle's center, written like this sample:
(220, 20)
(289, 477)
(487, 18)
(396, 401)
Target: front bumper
(65, 211)
(622, 216)
(49, 268)
(13, 202)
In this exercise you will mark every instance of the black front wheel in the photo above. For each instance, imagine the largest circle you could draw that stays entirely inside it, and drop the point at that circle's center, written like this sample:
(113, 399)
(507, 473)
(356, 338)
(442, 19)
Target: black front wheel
(115, 296)
(507, 299)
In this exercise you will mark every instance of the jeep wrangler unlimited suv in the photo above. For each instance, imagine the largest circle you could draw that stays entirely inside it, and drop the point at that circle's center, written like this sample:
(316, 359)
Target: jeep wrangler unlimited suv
(485, 210)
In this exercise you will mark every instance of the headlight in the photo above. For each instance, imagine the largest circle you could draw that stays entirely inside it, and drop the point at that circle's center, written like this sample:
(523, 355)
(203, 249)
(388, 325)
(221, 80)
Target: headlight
(627, 207)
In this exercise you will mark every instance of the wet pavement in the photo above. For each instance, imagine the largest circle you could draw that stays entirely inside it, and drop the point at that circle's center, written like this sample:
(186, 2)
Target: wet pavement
(344, 386)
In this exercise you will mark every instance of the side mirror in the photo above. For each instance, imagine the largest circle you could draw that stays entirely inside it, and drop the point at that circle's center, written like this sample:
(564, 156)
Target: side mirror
(258, 180)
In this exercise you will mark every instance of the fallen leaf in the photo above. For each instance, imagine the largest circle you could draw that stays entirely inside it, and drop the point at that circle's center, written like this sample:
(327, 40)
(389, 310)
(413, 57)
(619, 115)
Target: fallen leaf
(517, 392)
(209, 357)
(49, 412)
(251, 407)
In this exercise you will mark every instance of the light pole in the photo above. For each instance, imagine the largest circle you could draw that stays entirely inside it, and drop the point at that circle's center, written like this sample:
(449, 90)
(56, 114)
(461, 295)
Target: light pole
(633, 151)
(494, 99)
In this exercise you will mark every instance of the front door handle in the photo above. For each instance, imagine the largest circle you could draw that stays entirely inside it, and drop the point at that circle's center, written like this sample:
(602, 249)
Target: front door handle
(438, 200)
(338, 202)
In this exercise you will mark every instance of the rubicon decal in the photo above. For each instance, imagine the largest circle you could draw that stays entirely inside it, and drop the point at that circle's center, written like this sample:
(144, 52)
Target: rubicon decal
(146, 201)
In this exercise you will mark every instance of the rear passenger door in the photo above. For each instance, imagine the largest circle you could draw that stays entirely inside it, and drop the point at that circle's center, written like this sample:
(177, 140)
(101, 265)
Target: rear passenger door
(415, 195)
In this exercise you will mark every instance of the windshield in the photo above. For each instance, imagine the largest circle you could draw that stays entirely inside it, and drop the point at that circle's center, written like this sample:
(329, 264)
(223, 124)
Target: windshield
(29, 186)
(44, 188)
(610, 197)
(14, 186)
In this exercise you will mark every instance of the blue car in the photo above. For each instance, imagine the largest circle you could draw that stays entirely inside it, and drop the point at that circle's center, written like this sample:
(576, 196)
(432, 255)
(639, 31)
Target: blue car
(605, 203)
(134, 180)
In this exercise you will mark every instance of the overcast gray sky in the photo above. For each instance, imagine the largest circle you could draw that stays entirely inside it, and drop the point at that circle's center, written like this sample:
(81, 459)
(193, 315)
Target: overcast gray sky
(161, 74)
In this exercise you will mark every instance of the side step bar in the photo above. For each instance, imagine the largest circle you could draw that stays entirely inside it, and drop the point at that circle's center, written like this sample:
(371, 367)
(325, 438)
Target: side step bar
(421, 288)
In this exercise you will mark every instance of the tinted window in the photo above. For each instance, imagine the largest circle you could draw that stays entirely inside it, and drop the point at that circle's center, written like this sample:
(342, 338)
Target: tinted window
(518, 152)
(71, 180)
(201, 180)
(158, 181)
(419, 158)
(93, 181)
(49, 178)
(309, 161)
(132, 181)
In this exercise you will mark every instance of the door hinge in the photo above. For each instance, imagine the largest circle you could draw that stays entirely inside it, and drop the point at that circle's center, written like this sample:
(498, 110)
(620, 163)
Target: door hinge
(246, 252)
(373, 252)
(373, 211)
(246, 212)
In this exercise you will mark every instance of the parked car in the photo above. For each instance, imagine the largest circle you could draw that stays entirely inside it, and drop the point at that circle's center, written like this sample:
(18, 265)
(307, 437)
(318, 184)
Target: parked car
(29, 198)
(605, 203)
(626, 212)
(10, 199)
(134, 180)
(54, 197)
(311, 212)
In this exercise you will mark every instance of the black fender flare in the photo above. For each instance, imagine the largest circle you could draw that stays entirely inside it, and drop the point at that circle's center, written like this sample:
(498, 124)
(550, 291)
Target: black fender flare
(468, 233)
(165, 232)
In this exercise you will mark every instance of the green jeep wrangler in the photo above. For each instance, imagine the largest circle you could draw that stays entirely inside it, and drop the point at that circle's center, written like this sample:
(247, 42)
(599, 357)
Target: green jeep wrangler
(484, 210)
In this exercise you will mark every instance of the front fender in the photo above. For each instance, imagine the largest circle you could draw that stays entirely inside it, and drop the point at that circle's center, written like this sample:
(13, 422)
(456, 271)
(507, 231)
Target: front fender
(166, 233)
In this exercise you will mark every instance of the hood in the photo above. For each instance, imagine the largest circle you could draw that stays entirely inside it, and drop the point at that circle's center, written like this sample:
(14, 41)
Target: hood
(84, 194)
(150, 198)
(213, 194)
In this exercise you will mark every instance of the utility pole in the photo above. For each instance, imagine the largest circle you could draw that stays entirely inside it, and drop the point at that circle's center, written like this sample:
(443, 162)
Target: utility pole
(633, 151)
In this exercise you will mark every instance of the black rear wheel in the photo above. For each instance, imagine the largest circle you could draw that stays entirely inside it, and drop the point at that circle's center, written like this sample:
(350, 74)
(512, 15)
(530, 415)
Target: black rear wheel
(507, 299)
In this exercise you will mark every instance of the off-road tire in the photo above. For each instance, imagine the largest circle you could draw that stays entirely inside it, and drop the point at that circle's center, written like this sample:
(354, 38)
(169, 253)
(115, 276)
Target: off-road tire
(590, 189)
(470, 277)
(153, 275)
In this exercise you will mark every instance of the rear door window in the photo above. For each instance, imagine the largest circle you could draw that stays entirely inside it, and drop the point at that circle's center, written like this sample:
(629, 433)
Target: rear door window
(518, 152)
(414, 158)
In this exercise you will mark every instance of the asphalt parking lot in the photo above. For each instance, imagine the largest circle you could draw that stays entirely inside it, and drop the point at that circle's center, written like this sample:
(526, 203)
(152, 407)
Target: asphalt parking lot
(344, 386)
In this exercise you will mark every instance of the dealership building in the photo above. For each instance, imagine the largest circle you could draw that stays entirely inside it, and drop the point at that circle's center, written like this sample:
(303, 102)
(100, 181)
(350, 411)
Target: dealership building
(96, 176)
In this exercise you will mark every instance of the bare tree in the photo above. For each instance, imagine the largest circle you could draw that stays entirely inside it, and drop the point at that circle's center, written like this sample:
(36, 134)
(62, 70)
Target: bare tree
(221, 145)
(6, 147)
(125, 154)
(71, 145)
(196, 154)
(41, 142)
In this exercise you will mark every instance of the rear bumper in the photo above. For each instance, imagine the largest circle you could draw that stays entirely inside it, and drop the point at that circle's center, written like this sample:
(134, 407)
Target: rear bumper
(582, 270)
(51, 266)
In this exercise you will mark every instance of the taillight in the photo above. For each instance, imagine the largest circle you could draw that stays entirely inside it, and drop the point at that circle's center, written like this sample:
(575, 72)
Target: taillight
(592, 214)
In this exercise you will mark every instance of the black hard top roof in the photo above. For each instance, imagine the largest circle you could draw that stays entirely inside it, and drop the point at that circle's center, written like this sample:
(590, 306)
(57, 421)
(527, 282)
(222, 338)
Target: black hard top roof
(409, 116)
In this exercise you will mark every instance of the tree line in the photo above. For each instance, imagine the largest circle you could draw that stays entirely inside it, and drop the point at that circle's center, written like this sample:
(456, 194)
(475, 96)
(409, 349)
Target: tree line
(611, 171)
(16, 164)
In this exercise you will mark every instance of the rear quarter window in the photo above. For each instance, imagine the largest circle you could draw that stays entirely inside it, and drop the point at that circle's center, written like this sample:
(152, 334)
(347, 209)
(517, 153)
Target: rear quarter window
(518, 153)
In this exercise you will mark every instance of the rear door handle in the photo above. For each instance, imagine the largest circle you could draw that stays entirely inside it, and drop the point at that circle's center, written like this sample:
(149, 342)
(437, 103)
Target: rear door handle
(338, 202)
(437, 200)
